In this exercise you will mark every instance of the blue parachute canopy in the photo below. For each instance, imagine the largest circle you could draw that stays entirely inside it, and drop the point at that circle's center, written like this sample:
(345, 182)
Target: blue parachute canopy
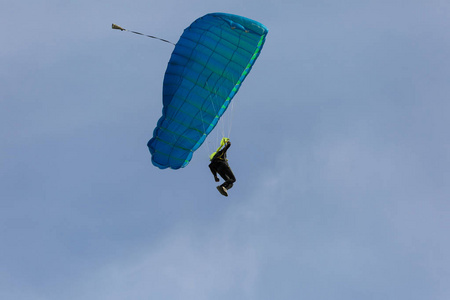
(206, 69)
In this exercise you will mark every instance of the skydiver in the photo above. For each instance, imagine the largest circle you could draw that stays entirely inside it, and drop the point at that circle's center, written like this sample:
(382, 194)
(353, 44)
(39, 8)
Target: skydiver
(219, 164)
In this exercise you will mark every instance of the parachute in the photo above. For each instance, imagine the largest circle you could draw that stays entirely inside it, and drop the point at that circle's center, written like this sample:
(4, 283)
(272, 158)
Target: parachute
(207, 67)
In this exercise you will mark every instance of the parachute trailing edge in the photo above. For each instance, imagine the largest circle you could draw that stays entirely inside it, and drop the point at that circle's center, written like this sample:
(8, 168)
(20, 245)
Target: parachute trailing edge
(207, 67)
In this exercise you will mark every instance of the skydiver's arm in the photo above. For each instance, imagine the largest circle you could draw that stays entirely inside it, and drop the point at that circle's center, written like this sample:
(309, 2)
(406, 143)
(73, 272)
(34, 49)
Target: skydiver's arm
(228, 145)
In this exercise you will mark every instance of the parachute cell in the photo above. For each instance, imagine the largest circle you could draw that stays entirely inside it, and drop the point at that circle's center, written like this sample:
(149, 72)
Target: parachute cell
(207, 67)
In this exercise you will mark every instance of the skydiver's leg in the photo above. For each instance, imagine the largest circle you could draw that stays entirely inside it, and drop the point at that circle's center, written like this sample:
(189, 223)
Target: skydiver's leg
(228, 176)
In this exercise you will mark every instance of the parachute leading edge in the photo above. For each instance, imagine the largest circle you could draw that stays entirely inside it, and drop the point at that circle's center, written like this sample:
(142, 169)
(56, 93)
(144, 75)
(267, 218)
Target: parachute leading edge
(207, 67)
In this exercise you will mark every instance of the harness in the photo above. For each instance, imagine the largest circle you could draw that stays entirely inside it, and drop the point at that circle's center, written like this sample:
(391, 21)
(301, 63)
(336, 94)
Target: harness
(223, 142)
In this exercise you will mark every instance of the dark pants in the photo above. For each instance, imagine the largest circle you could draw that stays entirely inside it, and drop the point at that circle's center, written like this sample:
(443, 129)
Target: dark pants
(227, 175)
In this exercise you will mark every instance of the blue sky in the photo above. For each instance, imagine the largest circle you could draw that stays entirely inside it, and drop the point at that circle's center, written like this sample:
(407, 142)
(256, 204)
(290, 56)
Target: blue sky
(340, 147)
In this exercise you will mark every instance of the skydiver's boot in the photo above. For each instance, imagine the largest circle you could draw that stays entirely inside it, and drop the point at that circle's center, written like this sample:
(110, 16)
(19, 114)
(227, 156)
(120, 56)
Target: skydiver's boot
(222, 190)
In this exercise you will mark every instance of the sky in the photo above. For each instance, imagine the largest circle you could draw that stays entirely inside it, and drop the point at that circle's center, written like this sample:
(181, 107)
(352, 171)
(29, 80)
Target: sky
(340, 147)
